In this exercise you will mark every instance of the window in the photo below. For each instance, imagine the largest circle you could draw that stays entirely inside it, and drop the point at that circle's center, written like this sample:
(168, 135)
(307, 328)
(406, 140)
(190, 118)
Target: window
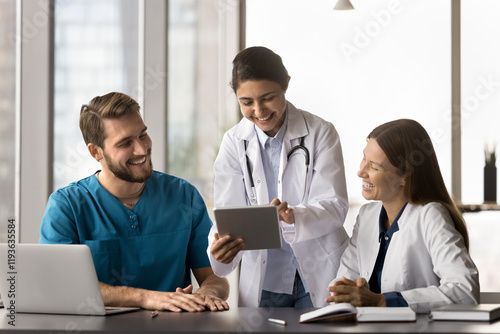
(361, 68)
(480, 120)
(200, 103)
(480, 92)
(7, 113)
(96, 52)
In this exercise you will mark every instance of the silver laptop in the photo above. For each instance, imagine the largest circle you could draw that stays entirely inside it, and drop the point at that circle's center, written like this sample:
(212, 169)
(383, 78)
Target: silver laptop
(58, 279)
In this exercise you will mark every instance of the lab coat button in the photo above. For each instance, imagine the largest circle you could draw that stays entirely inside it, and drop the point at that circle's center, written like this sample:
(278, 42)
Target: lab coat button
(258, 181)
(365, 274)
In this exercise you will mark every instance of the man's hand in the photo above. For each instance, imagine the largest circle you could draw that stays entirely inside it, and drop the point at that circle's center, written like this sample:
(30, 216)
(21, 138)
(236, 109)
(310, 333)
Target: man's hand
(213, 290)
(211, 295)
(213, 303)
(286, 214)
(178, 301)
(224, 250)
(181, 300)
(356, 293)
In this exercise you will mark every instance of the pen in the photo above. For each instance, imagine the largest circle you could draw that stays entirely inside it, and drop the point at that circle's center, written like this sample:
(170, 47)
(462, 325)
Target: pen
(154, 314)
(277, 321)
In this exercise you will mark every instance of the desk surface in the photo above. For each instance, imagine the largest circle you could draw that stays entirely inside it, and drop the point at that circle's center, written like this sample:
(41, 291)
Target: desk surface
(236, 320)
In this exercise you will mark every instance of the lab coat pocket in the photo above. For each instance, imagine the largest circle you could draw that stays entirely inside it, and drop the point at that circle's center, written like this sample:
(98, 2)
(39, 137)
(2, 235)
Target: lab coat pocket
(334, 245)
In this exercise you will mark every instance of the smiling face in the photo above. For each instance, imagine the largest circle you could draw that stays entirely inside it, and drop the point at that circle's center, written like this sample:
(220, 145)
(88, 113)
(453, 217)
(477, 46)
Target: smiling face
(381, 180)
(263, 103)
(127, 148)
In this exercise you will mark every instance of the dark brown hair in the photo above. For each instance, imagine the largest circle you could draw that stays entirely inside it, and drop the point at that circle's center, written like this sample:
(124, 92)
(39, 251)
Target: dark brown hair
(258, 63)
(111, 105)
(409, 148)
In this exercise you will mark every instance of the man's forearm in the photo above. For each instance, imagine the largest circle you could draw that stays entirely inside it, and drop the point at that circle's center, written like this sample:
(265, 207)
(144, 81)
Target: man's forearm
(151, 300)
(122, 295)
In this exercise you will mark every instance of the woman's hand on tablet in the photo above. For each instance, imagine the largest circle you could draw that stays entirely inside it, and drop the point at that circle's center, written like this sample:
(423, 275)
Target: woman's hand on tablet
(224, 249)
(286, 213)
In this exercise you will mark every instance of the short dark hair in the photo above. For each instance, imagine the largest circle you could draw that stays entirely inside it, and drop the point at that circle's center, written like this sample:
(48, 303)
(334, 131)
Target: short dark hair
(258, 63)
(111, 105)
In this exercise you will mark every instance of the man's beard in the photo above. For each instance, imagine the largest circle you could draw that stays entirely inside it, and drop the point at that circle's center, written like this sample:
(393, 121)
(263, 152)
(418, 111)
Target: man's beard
(124, 173)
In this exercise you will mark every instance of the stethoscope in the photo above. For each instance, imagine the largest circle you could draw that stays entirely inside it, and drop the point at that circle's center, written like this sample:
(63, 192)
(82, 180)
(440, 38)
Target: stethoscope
(301, 146)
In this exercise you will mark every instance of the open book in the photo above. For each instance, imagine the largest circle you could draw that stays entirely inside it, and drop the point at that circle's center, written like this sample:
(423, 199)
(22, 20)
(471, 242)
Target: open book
(347, 312)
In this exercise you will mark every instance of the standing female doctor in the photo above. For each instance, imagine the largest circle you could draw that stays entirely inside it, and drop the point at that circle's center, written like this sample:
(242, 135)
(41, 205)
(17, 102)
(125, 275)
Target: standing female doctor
(278, 154)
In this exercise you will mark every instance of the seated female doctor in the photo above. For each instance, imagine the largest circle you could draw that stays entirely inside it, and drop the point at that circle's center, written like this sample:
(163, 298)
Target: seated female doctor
(410, 246)
(278, 154)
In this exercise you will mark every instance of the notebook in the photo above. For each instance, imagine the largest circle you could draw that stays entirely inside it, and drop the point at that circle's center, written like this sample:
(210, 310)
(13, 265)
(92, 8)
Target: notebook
(345, 312)
(59, 279)
(467, 312)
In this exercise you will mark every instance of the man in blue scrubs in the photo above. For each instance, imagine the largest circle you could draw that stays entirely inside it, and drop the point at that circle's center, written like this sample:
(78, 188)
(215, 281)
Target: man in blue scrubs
(145, 229)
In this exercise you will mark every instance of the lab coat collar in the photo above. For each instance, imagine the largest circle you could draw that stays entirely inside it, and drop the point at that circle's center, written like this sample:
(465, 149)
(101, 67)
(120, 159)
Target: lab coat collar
(394, 226)
(297, 126)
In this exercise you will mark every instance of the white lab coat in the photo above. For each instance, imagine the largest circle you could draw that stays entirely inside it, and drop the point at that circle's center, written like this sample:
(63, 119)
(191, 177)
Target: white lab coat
(426, 261)
(318, 237)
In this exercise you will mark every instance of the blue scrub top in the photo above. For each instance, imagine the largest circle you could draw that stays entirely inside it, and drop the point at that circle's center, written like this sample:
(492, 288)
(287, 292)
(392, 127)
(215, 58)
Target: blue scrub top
(153, 246)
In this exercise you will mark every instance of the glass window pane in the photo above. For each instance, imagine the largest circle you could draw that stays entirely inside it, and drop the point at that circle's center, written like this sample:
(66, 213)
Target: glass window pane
(480, 120)
(361, 68)
(96, 52)
(197, 89)
(7, 113)
(480, 92)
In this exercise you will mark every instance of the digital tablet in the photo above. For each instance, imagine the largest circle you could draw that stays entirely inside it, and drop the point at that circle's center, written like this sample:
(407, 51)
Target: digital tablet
(257, 225)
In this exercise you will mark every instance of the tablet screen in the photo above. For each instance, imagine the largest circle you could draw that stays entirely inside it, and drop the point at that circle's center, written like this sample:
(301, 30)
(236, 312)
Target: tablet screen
(257, 225)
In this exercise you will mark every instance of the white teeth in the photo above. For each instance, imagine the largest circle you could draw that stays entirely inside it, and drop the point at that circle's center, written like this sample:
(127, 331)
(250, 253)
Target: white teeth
(264, 119)
(368, 185)
(138, 162)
